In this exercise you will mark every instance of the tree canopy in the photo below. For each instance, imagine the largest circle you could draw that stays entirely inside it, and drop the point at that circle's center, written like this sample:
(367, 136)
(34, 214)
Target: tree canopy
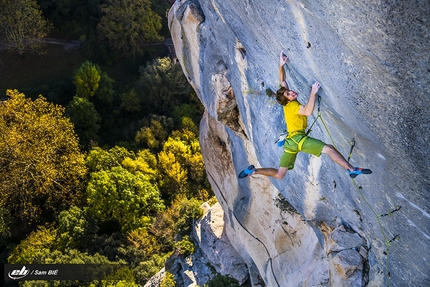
(22, 25)
(85, 118)
(129, 24)
(41, 166)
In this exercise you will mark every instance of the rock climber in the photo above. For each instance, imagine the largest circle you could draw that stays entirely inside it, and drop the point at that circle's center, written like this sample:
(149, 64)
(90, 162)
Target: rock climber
(297, 140)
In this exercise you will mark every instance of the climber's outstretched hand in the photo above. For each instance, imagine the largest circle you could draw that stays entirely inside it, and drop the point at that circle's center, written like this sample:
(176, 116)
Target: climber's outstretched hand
(315, 87)
(282, 58)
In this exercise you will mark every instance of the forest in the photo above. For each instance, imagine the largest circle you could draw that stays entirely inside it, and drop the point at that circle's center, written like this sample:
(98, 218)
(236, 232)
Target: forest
(100, 159)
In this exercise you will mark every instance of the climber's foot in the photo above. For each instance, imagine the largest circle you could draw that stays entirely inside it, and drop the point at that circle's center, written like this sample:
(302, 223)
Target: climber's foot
(247, 172)
(357, 171)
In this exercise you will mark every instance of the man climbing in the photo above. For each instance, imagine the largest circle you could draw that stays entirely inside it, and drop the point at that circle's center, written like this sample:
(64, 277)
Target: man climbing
(297, 140)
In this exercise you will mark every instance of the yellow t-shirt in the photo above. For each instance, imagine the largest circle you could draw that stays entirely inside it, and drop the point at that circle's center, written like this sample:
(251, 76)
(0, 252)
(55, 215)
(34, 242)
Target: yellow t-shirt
(295, 122)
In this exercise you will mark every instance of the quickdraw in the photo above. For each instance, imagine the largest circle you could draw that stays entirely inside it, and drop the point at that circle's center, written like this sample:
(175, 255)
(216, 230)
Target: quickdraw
(398, 207)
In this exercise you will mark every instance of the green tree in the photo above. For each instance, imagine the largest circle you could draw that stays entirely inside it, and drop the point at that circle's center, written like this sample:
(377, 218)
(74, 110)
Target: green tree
(144, 163)
(182, 163)
(129, 24)
(22, 25)
(164, 85)
(85, 118)
(76, 227)
(130, 199)
(35, 248)
(42, 169)
(149, 268)
(168, 280)
(106, 88)
(177, 218)
(184, 247)
(130, 101)
(154, 135)
(87, 80)
(72, 17)
(99, 159)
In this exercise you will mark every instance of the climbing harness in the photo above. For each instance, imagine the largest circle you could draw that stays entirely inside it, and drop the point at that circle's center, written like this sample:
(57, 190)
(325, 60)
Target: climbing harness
(299, 143)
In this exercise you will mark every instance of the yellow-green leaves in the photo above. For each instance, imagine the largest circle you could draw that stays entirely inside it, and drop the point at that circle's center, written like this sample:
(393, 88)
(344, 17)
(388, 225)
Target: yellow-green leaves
(87, 80)
(123, 187)
(42, 168)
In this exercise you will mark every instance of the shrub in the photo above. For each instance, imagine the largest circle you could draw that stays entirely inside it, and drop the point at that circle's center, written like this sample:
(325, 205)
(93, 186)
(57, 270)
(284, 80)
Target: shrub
(223, 280)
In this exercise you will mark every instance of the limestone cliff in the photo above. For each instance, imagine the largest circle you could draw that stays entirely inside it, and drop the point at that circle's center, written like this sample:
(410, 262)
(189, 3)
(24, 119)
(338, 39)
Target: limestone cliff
(316, 227)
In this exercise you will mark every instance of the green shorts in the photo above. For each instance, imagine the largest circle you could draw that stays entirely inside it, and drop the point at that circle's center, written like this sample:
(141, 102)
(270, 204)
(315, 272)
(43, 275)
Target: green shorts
(291, 149)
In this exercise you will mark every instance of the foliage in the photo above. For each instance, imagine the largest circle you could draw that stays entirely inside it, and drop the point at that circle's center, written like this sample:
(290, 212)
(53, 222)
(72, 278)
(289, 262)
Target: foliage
(72, 17)
(5, 222)
(22, 25)
(121, 278)
(177, 218)
(105, 91)
(154, 135)
(76, 227)
(42, 170)
(145, 163)
(212, 200)
(99, 159)
(141, 239)
(129, 24)
(123, 196)
(149, 268)
(123, 186)
(164, 85)
(168, 280)
(35, 247)
(182, 162)
(87, 79)
(85, 118)
(192, 110)
(225, 281)
(130, 101)
(184, 247)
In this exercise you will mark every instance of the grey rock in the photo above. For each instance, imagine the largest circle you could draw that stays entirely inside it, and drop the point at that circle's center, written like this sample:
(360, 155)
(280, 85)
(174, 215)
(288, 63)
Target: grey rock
(372, 59)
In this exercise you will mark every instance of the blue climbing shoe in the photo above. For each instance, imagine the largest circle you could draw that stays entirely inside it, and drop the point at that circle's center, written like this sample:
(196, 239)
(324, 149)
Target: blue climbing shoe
(247, 172)
(357, 171)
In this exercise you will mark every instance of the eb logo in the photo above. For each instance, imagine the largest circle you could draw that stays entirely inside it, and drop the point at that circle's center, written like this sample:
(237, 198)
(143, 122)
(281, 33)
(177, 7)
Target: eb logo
(18, 274)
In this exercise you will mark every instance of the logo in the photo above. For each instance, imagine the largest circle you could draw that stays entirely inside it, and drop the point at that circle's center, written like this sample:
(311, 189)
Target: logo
(18, 274)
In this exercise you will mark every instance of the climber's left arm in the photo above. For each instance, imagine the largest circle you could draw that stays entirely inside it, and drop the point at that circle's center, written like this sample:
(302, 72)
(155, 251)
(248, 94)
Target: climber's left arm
(282, 76)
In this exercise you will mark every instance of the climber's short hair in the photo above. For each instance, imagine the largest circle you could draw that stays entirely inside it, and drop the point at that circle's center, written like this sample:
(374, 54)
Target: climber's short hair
(280, 98)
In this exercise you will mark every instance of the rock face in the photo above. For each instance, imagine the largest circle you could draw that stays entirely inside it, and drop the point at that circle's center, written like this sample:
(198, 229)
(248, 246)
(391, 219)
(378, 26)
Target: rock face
(316, 227)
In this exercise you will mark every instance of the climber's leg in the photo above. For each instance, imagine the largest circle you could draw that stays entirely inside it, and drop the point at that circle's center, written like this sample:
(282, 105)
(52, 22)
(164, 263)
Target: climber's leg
(273, 172)
(336, 157)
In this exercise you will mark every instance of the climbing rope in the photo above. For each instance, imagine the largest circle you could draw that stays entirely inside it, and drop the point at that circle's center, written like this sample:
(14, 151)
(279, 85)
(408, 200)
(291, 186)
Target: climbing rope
(359, 189)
